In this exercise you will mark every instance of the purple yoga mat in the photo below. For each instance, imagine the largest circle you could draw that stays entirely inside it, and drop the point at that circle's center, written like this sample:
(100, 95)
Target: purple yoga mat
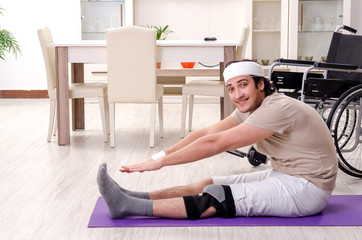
(342, 210)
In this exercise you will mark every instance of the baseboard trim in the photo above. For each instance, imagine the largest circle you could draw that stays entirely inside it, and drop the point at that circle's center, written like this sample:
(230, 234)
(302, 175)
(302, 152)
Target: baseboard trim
(24, 94)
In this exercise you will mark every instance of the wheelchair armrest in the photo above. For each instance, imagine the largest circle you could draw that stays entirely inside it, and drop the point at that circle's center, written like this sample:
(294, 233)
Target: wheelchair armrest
(336, 66)
(293, 61)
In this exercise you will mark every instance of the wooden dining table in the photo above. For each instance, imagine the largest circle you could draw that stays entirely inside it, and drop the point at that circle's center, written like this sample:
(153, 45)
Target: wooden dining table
(77, 53)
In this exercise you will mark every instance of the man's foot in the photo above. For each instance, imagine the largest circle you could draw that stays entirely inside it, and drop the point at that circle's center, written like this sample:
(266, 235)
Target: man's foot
(120, 204)
(143, 195)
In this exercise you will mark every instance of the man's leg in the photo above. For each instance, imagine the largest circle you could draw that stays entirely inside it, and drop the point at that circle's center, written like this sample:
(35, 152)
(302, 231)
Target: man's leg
(175, 208)
(180, 191)
(121, 205)
(279, 195)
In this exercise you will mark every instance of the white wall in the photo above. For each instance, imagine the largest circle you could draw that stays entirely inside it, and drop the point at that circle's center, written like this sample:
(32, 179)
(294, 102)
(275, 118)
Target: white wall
(356, 16)
(22, 18)
(193, 19)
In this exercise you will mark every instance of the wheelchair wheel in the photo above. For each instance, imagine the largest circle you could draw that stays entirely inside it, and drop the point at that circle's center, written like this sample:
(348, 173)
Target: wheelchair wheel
(344, 122)
(347, 120)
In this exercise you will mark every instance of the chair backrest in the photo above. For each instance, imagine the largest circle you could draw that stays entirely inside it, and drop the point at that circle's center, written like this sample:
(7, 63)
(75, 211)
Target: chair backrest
(131, 64)
(45, 39)
(345, 49)
(240, 51)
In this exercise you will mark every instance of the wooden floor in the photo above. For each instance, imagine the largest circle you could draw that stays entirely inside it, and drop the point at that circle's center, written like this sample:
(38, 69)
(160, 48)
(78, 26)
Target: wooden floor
(49, 192)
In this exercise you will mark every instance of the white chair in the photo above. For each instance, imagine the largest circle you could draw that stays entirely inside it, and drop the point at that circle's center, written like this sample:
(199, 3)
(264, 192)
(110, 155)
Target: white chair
(131, 68)
(213, 87)
(240, 51)
(76, 90)
(198, 87)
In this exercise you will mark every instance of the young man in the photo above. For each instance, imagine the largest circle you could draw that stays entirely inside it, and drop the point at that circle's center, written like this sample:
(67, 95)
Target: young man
(292, 134)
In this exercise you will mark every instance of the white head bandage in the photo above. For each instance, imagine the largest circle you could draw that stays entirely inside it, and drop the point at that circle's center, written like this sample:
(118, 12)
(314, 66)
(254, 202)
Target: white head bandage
(243, 68)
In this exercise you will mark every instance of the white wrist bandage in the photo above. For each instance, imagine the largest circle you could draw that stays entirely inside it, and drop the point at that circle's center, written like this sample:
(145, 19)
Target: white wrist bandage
(158, 155)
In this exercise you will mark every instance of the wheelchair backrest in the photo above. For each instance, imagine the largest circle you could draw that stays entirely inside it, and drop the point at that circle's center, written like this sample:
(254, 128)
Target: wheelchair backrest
(345, 49)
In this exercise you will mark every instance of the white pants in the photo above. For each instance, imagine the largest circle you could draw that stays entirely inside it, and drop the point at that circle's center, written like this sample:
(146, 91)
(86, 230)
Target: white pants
(270, 193)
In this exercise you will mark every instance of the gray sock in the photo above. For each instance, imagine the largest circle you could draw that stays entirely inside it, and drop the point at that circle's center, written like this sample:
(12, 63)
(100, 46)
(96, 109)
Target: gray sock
(119, 203)
(143, 195)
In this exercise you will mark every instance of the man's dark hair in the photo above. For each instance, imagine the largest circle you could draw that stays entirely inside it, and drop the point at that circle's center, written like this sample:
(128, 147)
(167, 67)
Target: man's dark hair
(269, 86)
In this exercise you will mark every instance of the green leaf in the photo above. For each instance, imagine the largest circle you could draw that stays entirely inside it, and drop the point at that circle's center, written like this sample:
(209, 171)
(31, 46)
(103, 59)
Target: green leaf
(160, 30)
(8, 43)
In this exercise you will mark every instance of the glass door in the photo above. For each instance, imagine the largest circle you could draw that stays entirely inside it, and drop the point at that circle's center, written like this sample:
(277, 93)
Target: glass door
(99, 15)
(268, 21)
(316, 22)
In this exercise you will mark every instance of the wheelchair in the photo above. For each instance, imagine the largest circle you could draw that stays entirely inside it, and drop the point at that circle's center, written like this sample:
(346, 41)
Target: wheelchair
(334, 89)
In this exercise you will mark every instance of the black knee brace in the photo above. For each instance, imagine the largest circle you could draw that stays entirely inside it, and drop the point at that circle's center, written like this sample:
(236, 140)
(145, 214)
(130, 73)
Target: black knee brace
(217, 196)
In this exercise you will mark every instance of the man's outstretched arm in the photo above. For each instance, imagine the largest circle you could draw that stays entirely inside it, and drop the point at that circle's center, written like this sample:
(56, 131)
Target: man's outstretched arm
(206, 146)
(220, 126)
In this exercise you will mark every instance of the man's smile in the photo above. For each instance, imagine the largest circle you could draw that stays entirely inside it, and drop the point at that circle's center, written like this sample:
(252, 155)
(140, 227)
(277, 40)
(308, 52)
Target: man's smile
(242, 101)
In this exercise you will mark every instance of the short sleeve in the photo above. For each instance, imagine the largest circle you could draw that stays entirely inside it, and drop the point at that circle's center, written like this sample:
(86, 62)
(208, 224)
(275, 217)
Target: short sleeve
(239, 116)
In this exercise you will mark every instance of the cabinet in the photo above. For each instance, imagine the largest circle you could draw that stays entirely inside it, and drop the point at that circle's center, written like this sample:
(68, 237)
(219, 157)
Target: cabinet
(293, 28)
(99, 15)
(312, 24)
(268, 38)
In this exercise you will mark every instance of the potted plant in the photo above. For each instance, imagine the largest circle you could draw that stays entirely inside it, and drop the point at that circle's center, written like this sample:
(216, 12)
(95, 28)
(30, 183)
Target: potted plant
(160, 31)
(8, 42)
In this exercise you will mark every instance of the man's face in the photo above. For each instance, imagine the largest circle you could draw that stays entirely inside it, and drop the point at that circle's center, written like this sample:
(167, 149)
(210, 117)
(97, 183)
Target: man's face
(243, 93)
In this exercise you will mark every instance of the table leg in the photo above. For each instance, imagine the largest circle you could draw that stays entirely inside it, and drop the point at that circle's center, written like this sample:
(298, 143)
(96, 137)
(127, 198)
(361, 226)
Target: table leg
(77, 104)
(222, 113)
(228, 106)
(61, 61)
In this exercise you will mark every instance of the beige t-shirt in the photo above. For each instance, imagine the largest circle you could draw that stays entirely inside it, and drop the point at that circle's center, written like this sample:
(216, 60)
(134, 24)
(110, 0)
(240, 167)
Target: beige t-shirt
(302, 145)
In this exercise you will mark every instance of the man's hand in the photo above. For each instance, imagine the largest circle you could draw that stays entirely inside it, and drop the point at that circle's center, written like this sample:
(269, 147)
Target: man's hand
(149, 165)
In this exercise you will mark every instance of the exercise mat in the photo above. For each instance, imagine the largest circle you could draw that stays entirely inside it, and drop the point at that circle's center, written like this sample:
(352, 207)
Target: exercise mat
(342, 210)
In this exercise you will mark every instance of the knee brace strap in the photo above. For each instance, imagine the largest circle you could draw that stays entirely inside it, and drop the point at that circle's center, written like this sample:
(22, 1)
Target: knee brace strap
(196, 205)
